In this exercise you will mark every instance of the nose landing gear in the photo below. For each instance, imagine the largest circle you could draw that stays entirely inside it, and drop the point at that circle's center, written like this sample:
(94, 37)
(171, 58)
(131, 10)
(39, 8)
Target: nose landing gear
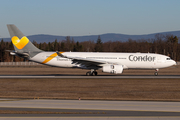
(156, 72)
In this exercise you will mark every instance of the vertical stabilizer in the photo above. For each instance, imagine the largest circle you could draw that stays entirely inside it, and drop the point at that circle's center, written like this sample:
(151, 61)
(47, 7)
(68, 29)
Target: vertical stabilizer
(21, 43)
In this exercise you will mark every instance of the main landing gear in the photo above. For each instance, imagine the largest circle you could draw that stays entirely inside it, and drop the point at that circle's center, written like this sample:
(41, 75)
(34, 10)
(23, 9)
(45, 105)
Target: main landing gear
(91, 73)
(156, 72)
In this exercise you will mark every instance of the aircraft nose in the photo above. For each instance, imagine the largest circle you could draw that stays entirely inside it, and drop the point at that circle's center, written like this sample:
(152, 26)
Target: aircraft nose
(174, 62)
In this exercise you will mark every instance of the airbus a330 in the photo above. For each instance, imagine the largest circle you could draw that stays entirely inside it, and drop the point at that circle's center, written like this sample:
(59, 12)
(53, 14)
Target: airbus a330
(113, 63)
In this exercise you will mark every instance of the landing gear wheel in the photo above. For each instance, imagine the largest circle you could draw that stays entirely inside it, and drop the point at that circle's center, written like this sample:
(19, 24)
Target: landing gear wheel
(88, 73)
(156, 73)
(91, 73)
(95, 73)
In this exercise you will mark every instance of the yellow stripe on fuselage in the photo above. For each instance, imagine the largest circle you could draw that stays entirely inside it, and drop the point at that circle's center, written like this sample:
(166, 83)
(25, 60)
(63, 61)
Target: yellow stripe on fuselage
(50, 57)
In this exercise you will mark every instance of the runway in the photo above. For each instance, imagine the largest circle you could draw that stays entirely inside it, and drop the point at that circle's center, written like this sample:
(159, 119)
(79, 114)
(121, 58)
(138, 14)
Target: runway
(94, 105)
(90, 77)
(91, 109)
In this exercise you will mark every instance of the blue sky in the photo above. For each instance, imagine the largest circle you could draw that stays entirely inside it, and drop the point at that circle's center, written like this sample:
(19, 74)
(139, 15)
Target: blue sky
(89, 17)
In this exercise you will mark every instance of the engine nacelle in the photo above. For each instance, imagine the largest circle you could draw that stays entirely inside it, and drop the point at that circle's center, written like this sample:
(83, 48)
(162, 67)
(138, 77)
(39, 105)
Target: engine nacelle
(115, 69)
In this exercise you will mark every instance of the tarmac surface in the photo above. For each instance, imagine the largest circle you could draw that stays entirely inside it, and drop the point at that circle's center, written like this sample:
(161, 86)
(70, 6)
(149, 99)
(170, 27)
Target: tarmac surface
(91, 109)
(91, 77)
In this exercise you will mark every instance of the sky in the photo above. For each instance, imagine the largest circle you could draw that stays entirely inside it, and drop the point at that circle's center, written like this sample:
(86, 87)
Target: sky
(89, 17)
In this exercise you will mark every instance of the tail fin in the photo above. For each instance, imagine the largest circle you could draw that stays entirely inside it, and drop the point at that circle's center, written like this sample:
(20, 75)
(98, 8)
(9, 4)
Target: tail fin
(21, 43)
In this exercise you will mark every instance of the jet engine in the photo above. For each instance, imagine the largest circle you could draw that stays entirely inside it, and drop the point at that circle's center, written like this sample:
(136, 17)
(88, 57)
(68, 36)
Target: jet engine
(115, 69)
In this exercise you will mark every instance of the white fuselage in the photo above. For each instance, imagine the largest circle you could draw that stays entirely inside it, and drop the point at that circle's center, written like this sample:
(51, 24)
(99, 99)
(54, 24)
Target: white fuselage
(128, 60)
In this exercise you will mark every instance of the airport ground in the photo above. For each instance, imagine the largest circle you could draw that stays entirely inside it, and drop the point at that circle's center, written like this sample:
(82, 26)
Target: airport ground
(160, 92)
(164, 89)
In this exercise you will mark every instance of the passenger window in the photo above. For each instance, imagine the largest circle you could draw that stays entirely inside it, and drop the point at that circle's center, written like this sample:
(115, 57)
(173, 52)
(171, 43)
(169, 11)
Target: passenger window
(168, 58)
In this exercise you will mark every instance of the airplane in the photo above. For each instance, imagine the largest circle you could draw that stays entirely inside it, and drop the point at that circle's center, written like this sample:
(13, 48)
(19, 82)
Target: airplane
(113, 63)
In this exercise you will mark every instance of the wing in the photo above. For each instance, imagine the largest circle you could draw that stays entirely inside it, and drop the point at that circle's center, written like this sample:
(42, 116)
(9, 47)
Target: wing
(85, 62)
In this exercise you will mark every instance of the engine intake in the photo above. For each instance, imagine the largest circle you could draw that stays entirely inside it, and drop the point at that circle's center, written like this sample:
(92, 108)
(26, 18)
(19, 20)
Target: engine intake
(115, 69)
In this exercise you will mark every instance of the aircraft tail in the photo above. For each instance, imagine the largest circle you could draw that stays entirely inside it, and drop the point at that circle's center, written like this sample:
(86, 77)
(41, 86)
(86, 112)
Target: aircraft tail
(22, 44)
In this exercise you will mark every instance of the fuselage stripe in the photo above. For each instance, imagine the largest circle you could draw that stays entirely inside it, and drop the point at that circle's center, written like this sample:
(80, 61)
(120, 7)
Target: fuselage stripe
(50, 58)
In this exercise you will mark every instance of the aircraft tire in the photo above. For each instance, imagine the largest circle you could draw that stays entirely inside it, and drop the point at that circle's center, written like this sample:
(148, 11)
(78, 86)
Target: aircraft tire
(95, 73)
(88, 73)
(156, 73)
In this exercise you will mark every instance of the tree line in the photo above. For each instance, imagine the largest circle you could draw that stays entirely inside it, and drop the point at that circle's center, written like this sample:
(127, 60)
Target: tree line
(161, 44)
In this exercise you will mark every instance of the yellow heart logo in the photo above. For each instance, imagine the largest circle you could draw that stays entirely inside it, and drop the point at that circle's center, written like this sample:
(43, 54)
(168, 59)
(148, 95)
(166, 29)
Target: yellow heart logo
(20, 43)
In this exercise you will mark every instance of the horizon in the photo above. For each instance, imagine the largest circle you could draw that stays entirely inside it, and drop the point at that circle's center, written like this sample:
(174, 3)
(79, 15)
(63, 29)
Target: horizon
(100, 34)
(40, 38)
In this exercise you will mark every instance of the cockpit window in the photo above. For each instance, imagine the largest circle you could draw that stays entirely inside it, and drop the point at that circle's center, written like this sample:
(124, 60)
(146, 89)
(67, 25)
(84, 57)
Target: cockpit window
(168, 58)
